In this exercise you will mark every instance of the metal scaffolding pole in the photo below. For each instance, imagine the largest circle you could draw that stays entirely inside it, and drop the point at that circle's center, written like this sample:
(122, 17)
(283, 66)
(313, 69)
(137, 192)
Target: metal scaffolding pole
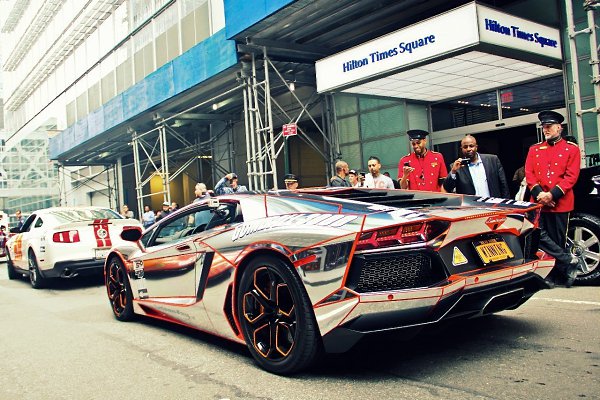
(263, 142)
(591, 31)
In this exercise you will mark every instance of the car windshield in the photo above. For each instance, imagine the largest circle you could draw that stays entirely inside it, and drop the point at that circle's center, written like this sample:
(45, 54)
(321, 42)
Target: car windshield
(63, 216)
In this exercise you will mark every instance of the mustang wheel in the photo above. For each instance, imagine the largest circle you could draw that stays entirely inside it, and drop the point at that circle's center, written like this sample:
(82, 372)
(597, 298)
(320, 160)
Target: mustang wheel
(583, 237)
(35, 278)
(119, 291)
(276, 317)
(10, 268)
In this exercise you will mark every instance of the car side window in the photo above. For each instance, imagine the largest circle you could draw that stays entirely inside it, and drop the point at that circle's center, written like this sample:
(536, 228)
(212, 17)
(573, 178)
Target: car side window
(38, 223)
(184, 225)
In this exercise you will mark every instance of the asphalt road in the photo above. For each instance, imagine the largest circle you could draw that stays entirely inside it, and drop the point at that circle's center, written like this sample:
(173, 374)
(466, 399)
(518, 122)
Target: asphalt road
(63, 343)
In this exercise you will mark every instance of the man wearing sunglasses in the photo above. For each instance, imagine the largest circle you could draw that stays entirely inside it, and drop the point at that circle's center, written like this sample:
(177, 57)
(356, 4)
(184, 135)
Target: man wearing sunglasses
(423, 169)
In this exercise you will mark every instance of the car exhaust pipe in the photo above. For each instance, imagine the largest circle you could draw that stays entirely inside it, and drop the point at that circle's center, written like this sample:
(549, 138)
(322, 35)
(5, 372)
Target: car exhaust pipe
(67, 273)
(503, 301)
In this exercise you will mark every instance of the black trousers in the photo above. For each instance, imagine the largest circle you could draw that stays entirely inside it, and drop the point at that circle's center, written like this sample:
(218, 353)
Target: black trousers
(553, 238)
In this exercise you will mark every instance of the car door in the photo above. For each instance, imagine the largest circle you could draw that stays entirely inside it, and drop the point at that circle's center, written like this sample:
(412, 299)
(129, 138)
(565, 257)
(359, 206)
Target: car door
(171, 265)
(18, 247)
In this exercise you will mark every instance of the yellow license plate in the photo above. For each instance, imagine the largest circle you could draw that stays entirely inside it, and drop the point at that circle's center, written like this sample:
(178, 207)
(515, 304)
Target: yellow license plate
(492, 250)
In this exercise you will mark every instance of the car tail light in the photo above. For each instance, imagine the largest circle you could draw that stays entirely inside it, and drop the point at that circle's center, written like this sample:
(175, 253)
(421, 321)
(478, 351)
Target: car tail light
(401, 234)
(66, 237)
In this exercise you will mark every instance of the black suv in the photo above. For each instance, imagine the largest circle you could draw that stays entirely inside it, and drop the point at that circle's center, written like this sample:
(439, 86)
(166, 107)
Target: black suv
(583, 234)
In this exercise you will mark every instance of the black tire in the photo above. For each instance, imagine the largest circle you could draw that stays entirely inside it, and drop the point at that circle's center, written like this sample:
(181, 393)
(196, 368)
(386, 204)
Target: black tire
(35, 278)
(276, 317)
(10, 268)
(583, 237)
(119, 290)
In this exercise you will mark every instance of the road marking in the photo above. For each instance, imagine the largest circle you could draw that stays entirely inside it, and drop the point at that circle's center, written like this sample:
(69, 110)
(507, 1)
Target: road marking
(590, 303)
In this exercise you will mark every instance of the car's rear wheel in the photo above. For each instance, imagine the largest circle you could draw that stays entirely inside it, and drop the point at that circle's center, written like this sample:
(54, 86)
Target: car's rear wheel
(276, 317)
(583, 238)
(119, 290)
(35, 278)
(10, 268)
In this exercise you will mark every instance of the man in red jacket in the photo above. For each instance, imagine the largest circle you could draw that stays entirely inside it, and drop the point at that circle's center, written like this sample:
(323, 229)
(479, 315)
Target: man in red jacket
(551, 170)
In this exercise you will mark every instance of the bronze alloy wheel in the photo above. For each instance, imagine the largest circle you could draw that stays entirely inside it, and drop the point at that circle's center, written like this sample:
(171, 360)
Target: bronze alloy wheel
(276, 317)
(118, 290)
(35, 278)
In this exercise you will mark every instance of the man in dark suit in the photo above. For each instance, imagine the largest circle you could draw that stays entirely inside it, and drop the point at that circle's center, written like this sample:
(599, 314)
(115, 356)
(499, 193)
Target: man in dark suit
(478, 174)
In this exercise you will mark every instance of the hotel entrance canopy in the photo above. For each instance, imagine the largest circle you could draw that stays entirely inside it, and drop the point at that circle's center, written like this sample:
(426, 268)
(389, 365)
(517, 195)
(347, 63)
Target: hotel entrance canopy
(470, 49)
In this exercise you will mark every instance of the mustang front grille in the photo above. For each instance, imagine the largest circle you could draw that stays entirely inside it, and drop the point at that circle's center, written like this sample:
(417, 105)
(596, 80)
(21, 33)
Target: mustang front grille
(392, 271)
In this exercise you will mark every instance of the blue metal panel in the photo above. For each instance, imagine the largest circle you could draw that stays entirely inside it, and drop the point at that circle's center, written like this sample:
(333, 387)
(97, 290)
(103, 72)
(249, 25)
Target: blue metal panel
(241, 14)
(96, 122)
(201, 62)
(159, 85)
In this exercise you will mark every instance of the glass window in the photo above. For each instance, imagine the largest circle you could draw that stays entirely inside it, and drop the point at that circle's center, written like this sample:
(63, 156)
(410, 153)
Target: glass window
(533, 97)
(345, 105)
(389, 151)
(38, 223)
(418, 116)
(351, 154)
(382, 122)
(465, 111)
(348, 129)
(369, 103)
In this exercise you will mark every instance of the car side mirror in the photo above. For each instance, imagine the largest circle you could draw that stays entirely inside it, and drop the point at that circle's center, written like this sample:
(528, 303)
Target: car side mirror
(15, 230)
(131, 233)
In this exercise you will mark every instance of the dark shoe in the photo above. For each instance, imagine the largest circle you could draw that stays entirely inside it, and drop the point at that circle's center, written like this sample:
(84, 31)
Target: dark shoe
(571, 274)
(550, 284)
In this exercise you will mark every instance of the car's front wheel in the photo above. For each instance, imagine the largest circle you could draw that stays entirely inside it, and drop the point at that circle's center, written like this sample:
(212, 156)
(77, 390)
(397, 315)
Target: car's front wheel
(119, 290)
(276, 317)
(35, 278)
(583, 239)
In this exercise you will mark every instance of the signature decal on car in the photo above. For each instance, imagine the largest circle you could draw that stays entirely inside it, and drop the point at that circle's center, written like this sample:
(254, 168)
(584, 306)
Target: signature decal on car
(332, 220)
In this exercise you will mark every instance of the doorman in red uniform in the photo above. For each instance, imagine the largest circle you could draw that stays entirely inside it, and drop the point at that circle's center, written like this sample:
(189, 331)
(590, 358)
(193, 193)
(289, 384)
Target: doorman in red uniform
(551, 170)
(423, 169)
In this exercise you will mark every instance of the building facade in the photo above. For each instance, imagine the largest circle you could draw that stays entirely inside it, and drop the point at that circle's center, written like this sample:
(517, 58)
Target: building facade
(136, 101)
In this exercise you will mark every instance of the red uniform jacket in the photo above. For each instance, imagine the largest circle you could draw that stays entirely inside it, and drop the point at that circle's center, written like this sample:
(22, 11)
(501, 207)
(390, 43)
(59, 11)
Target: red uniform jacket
(428, 171)
(553, 168)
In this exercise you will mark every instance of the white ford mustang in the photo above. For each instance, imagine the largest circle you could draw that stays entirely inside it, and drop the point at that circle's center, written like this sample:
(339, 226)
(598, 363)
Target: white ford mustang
(64, 242)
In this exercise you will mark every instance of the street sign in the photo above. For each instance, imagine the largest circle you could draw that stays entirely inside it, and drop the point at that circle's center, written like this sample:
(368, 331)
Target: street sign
(290, 130)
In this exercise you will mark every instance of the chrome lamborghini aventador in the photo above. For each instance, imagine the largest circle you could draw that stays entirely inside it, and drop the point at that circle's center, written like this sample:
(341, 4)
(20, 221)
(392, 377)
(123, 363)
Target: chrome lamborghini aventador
(291, 274)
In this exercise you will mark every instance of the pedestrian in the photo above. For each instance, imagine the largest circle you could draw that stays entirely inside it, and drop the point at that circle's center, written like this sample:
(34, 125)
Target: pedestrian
(126, 212)
(20, 219)
(353, 178)
(423, 169)
(341, 171)
(201, 192)
(395, 182)
(148, 217)
(290, 181)
(164, 212)
(375, 179)
(234, 187)
(174, 206)
(477, 173)
(551, 170)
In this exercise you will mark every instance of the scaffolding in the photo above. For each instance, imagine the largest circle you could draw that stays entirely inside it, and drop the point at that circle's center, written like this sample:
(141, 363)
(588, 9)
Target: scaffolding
(264, 142)
(589, 6)
(90, 180)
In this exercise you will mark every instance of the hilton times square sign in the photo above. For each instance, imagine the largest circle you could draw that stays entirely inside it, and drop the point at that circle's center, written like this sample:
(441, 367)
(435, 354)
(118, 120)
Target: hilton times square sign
(454, 30)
